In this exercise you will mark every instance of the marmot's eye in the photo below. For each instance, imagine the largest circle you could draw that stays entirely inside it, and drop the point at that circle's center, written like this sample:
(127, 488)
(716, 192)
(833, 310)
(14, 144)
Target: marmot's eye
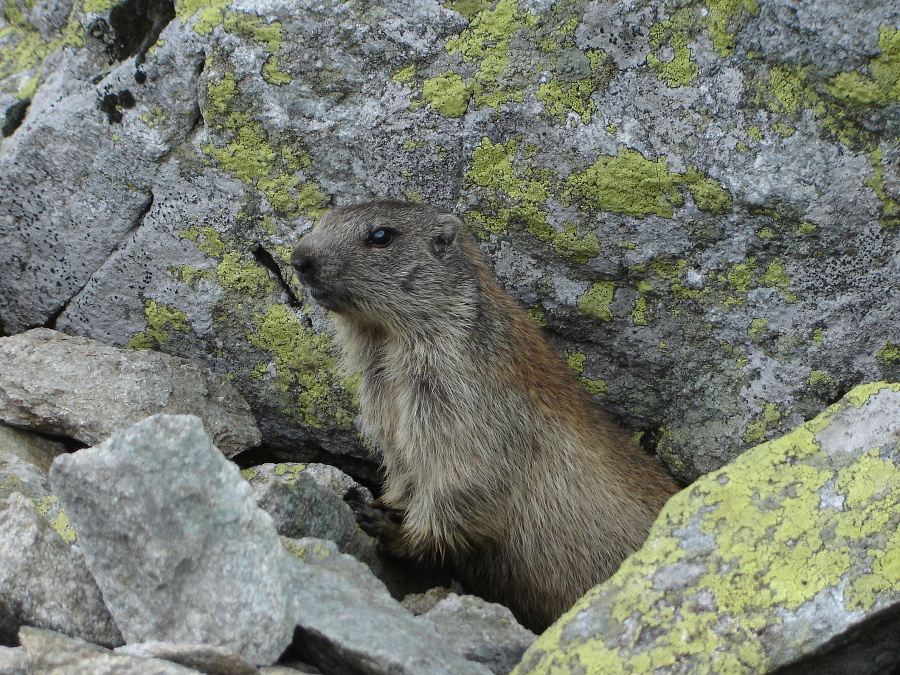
(381, 237)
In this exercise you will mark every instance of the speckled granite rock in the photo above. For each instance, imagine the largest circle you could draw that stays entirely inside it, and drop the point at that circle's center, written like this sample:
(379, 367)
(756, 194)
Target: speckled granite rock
(174, 538)
(779, 556)
(700, 200)
(49, 652)
(308, 501)
(44, 583)
(77, 387)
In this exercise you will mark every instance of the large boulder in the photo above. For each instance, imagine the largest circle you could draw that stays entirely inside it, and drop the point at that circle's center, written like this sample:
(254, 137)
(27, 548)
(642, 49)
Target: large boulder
(699, 200)
(789, 557)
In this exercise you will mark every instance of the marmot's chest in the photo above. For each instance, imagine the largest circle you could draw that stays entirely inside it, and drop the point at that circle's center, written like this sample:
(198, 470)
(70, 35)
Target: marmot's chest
(409, 406)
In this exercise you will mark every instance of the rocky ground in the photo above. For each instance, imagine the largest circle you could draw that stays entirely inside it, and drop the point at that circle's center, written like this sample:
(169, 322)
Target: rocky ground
(151, 552)
(699, 201)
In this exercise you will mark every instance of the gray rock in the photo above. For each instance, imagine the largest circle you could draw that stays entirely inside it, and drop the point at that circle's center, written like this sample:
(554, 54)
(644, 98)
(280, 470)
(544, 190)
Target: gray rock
(202, 658)
(17, 475)
(180, 550)
(481, 631)
(758, 252)
(45, 583)
(49, 652)
(25, 459)
(419, 603)
(783, 556)
(14, 661)
(347, 627)
(50, 382)
(308, 501)
(32, 448)
(325, 553)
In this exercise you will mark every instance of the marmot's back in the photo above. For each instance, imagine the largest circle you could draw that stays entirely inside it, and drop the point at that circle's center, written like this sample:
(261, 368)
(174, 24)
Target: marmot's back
(503, 464)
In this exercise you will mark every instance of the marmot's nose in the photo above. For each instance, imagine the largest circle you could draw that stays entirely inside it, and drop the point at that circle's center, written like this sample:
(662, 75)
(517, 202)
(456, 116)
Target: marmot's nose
(305, 266)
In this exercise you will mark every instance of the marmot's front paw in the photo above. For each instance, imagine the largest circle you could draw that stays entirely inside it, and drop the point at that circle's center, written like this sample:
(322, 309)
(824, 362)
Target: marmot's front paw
(384, 523)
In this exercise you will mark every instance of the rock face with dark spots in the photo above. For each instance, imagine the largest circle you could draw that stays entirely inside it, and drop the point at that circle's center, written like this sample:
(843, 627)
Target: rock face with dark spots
(699, 201)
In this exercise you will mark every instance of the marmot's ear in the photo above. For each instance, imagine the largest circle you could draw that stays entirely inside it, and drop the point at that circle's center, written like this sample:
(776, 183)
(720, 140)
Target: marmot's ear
(448, 227)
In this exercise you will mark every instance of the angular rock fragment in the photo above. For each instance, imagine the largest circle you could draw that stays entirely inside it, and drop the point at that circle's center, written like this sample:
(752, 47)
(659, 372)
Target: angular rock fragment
(31, 448)
(202, 658)
(49, 652)
(44, 583)
(779, 555)
(50, 382)
(358, 628)
(14, 661)
(481, 631)
(176, 542)
(307, 500)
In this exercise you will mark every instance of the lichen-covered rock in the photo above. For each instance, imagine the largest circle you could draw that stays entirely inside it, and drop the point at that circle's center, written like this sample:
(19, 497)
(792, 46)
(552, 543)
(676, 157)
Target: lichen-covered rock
(81, 388)
(778, 556)
(700, 200)
(174, 538)
(44, 583)
(308, 501)
(481, 631)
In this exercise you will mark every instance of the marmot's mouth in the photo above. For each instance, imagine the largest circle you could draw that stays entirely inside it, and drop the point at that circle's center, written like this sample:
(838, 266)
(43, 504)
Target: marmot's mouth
(333, 301)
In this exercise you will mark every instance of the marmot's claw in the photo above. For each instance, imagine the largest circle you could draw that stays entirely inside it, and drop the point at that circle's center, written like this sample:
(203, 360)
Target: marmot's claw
(384, 524)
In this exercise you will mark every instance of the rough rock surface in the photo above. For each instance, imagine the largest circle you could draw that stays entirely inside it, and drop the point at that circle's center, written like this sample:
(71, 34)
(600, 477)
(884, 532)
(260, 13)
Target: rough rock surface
(772, 559)
(382, 639)
(484, 632)
(205, 659)
(308, 501)
(30, 448)
(45, 583)
(49, 652)
(173, 537)
(81, 388)
(700, 200)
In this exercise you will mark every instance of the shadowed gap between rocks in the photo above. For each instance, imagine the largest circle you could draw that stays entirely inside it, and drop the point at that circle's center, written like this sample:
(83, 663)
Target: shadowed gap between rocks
(137, 25)
(15, 115)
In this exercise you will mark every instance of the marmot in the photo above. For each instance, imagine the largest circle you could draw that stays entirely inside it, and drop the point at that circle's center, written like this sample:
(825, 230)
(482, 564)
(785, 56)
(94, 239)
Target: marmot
(499, 461)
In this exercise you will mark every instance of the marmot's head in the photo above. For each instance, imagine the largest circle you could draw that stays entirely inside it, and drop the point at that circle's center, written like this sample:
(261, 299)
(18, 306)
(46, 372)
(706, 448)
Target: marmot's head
(387, 263)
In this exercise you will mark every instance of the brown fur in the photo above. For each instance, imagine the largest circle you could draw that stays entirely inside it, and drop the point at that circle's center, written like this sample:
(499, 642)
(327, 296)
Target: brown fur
(504, 466)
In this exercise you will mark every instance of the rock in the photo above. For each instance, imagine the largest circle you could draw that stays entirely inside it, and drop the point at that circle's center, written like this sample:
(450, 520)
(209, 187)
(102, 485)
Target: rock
(308, 501)
(24, 462)
(202, 658)
(49, 382)
(419, 603)
(348, 627)
(325, 553)
(31, 448)
(49, 652)
(176, 542)
(483, 632)
(44, 583)
(13, 661)
(780, 556)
